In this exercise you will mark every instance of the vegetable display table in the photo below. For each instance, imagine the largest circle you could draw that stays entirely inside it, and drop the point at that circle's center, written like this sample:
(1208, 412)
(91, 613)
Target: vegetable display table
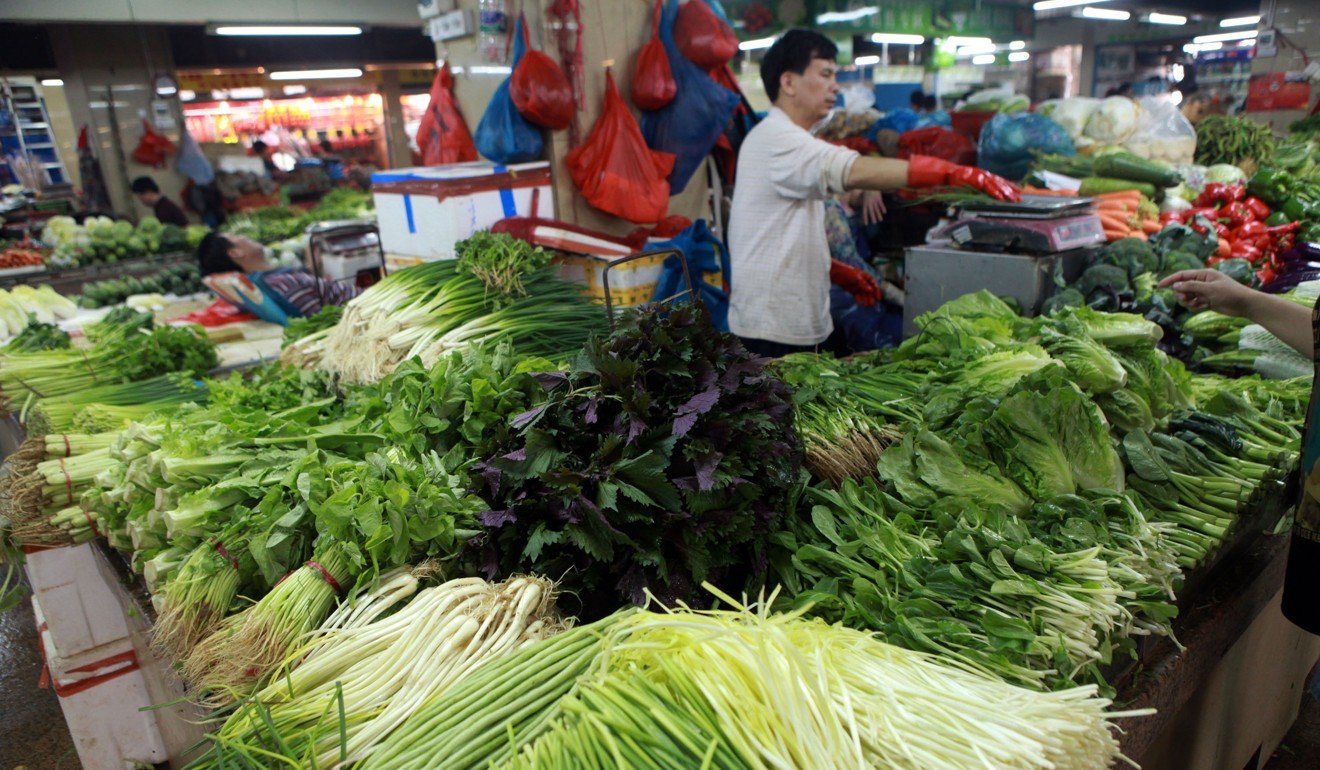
(71, 281)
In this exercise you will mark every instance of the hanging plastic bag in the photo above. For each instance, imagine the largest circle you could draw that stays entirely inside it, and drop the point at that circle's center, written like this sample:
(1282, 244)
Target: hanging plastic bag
(703, 37)
(503, 135)
(938, 142)
(693, 122)
(540, 89)
(614, 169)
(704, 255)
(442, 135)
(653, 83)
(192, 163)
(152, 148)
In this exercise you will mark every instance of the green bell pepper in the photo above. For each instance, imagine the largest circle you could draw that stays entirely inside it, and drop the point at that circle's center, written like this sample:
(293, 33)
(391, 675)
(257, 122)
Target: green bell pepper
(1277, 218)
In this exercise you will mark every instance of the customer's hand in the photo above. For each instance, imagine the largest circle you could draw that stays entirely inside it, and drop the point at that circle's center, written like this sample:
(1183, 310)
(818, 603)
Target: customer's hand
(1209, 290)
(872, 207)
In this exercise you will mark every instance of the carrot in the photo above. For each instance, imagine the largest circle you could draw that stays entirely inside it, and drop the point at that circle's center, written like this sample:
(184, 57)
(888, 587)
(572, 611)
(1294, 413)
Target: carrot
(1138, 234)
(1151, 226)
(1030, 190)
(1115, 235)
(1118, 195)
(1114, 221)
(1115, 207)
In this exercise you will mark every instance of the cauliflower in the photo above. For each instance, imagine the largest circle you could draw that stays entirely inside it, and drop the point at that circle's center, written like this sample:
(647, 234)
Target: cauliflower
(1114, 121)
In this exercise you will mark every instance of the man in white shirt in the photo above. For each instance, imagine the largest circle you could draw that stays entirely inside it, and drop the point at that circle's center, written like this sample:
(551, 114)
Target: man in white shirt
(779, 255)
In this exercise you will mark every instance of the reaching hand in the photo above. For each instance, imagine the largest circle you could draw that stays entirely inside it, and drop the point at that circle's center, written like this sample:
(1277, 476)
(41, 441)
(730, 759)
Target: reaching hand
(927, 171)
(873, 207)
(1209, 290)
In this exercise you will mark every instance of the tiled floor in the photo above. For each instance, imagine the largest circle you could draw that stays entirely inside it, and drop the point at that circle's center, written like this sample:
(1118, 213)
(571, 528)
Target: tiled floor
(32, 731)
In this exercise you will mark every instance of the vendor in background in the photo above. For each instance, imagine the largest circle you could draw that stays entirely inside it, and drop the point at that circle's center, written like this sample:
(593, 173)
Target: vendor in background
(917, 101)
(1299, 327)
(779, 254)
(164, 209)
(219, 253)
(262, 150)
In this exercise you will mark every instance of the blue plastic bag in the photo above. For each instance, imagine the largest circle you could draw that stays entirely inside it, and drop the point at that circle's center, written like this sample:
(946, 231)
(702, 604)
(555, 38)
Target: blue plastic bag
(693, 122)
(1010, 141)
(901, 120)
(699, 247)
(503, 135)
(936, 118)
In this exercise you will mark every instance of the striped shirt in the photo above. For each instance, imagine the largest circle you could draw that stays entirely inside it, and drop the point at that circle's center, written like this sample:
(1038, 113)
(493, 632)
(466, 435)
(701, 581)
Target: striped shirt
(306, 292)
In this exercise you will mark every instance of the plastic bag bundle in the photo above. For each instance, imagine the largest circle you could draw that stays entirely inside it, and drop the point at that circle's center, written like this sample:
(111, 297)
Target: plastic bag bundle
(540, 89)
(690, 125)
(614, 169)
(703, 36)
(153, 148)
(1009, 143)
(938, 142)
(653, 83)
(442, 135)
(504, 135)
(1163, 134)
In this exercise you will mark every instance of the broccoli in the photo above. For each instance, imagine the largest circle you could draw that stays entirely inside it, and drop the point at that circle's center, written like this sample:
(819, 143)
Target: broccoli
(1065, 298)
(1132, 254)
(1102, 274)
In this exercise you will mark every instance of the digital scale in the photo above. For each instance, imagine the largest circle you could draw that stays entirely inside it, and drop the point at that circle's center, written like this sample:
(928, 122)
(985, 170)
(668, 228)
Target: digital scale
(1036, 225)
(346, 250)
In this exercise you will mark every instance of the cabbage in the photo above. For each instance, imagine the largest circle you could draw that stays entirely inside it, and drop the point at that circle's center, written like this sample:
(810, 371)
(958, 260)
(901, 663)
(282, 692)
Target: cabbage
(1073, 113)
(1225, 173)
(1114, 121)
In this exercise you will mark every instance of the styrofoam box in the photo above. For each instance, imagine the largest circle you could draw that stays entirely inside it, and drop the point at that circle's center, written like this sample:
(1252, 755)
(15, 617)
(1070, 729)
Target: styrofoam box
(79, 665)
(423, 212)
(106, 722)
(80, 607)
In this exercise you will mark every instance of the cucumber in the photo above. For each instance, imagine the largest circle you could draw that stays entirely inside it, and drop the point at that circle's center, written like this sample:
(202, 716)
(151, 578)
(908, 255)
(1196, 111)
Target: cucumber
(1095, 185)
(1125, 165)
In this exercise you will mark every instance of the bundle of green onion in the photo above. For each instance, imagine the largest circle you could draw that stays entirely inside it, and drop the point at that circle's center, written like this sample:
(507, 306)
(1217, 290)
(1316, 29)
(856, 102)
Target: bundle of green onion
(109, 407)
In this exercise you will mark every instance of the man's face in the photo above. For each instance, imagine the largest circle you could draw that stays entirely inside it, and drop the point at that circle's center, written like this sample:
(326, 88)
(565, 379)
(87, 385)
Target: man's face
(815, 90)
(148, 198)
(247, 253)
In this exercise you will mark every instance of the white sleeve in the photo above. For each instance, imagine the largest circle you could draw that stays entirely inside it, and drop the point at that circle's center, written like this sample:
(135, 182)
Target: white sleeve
(804, 167)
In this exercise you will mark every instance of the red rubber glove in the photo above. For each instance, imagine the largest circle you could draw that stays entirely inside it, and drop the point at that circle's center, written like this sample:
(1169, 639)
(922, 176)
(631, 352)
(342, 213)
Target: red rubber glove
(926, 171)
(856, 282)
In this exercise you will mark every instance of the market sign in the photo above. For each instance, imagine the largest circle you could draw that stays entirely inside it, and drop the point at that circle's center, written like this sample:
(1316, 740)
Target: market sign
(995, 19)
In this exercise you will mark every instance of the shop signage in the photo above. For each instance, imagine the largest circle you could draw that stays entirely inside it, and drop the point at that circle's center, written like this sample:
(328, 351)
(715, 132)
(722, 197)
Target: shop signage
(995, 19)
(1278, 91)
(448, 26)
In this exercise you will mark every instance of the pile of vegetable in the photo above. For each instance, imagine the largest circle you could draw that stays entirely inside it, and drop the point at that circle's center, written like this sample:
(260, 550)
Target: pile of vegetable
(22, 304)
(22, 253)
(1291, 185)
(279, 223)
(178, 280)
(498, 288)
(101, 239)
(1233, 140)
(38, 336)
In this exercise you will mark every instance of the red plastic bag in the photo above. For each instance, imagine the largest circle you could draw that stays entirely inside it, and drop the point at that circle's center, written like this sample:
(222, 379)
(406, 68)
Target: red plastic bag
(938, 142)
(540, 89)
(653, 83)
(703, 37)
(614, 169)
(153, 148)
(442, 136)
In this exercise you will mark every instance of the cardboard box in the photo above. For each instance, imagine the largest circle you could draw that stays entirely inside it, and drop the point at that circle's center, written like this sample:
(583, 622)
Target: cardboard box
(423, 212)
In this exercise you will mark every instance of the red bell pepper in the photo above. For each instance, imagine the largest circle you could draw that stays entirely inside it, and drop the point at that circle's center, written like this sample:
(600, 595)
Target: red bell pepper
(1209, 212)
(1170, 216)
(1247, 251)
(1235, 214)
(1218, 193)
(1250, 231)
(1259, 208)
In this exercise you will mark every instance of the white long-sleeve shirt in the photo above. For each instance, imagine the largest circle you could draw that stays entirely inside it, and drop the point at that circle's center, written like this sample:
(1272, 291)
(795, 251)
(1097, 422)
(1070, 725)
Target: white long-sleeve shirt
(779, 256)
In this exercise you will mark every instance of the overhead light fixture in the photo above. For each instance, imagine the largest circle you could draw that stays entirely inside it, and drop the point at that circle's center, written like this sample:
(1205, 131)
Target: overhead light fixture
(1246, 43)
(973, 50)
(844, 16)
(1240, 21)
(1166, 18)
(52, 82)
(985, 58)
(187, 96)
(490, 70)
(965, 41)
(1050, 5)
(352, 72)
(251, 92)
(866, 61)
(167, 91)
(1107, 14)
(753, 45)
(1225, 37)
(1195, 48)
(894, 37)
(1019, 56)
(242, 30)
(1017, 45)
(295, 90)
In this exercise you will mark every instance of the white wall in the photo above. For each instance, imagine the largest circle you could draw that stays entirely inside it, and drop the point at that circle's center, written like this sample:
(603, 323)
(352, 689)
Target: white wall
(384, 12)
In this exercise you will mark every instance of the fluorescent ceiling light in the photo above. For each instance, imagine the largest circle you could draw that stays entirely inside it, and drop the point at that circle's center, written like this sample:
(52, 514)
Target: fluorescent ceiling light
(1166, 18)
(752, 45)
(972, 50)
(294, 90)
(892, 37)
(316, 74)
(985, 58)
(1225, 37)
(1019, 56)
(1017, 45)
(1246, 43)
(187, 96)
(1106, 14)
(866, 61)
(955, 40)
(167, 91)
(54, 82)
(1049, 5)
(247, 29)
(1194, 48)
(251, 92)
(485, 70)
(1240, 21)
(842, 16)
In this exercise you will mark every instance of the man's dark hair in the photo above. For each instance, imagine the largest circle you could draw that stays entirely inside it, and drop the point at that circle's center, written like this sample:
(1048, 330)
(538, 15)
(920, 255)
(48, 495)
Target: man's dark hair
(930, 103)
(793, 52)
(144, 184)
(213, 255)
(917, 99)
(259, 147)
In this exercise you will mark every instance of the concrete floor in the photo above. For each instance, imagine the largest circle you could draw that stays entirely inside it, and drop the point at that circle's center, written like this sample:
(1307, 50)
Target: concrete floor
(1300, 749)
(32, 730)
